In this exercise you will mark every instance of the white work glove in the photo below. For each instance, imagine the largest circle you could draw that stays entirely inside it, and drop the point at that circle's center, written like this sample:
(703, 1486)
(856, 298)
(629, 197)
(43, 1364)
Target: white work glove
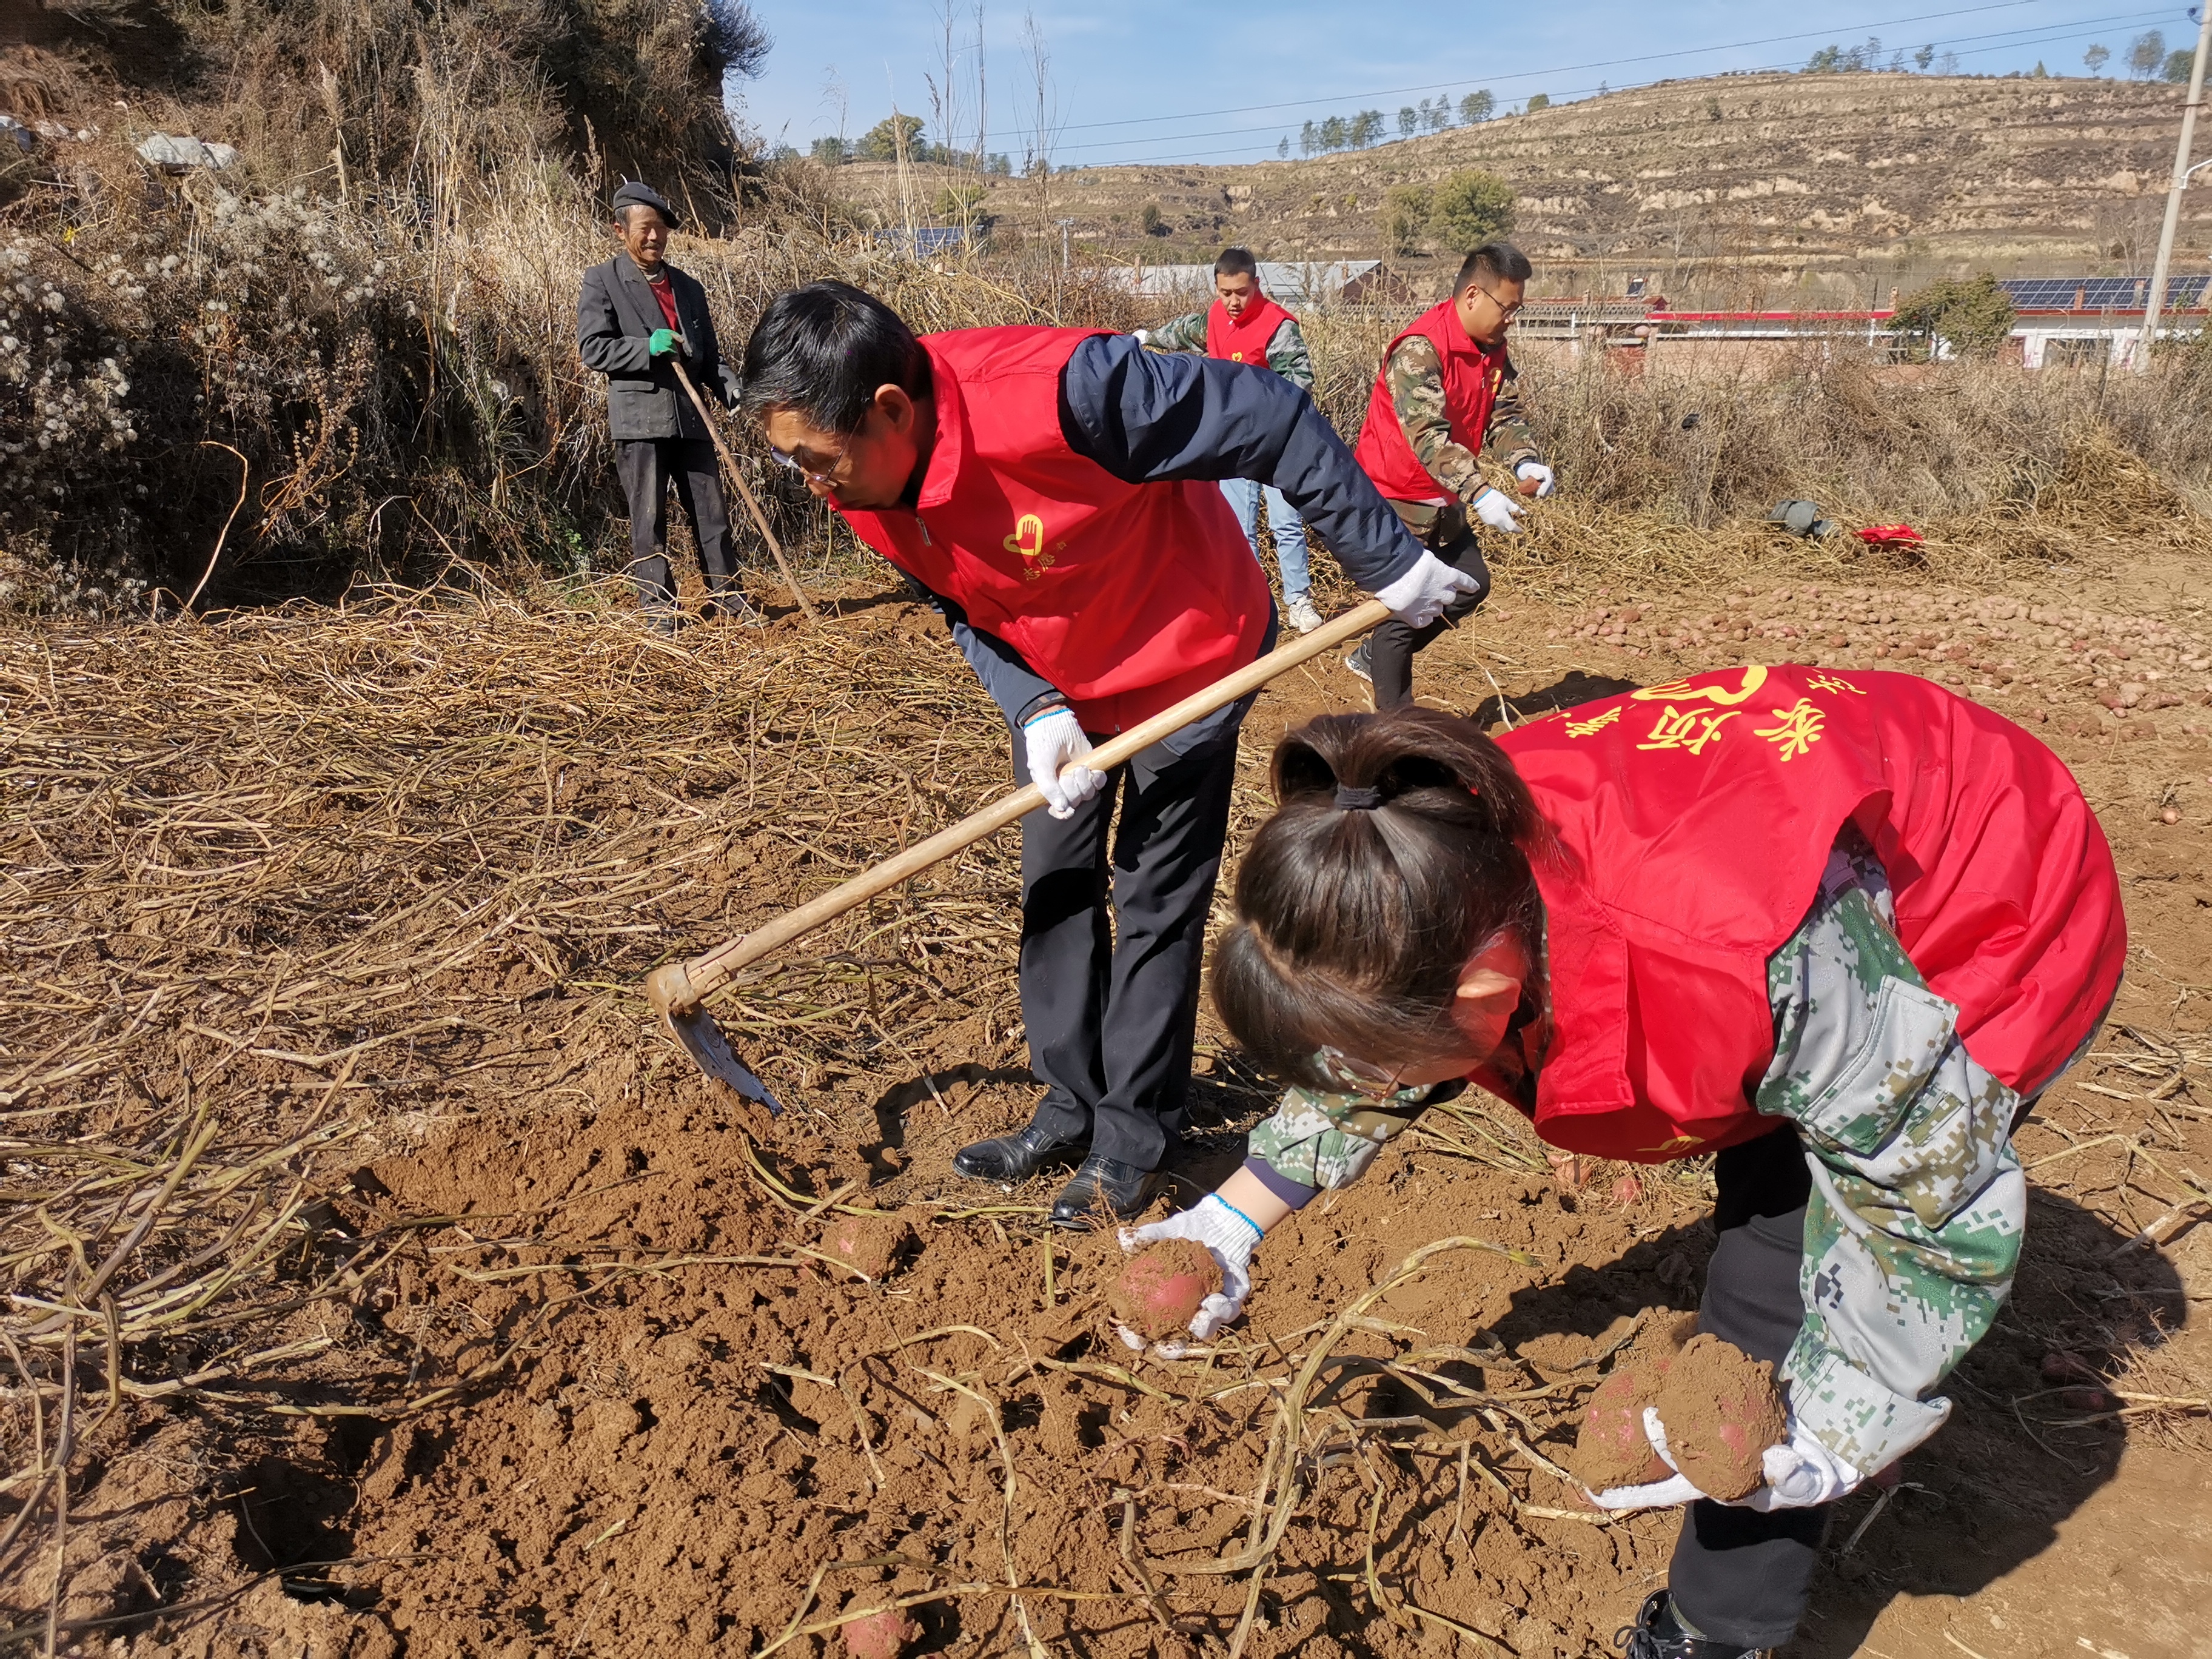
(1494, 509)
(1230, 1237)
(1801, 1473)
(1538, 470)
(1054, 737)
(1421, 595)
(1143, 337)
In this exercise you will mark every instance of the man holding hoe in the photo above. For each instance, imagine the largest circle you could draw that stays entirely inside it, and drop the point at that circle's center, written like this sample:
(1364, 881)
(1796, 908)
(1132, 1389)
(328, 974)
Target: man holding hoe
(639, 316)
(1244, 325)
(1056, 492)
(1445, 393)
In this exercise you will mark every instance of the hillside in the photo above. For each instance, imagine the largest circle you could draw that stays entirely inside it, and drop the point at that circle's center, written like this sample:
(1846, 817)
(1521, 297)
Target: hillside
(1743, 187)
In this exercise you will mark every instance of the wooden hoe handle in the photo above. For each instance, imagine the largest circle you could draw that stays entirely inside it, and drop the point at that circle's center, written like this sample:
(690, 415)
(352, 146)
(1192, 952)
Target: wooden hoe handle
(730, 466)
(680, 986)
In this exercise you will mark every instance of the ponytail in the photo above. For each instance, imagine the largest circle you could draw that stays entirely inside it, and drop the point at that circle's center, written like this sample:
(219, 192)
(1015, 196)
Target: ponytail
(1399, 847)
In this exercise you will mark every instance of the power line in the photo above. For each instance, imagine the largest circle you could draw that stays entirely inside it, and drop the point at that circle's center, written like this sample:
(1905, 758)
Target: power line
(2006, 40)
(1833, 30)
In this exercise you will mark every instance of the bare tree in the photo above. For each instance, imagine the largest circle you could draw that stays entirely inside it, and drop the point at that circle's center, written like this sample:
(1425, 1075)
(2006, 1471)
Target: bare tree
(1044, 119)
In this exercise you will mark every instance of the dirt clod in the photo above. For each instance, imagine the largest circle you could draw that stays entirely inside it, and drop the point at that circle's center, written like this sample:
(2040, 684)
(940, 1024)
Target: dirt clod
(1162, 1285)
(1723, 1411)
(871, 1245)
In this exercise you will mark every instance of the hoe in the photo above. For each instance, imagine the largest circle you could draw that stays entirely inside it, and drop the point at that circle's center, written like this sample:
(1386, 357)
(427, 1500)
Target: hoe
(680, 989)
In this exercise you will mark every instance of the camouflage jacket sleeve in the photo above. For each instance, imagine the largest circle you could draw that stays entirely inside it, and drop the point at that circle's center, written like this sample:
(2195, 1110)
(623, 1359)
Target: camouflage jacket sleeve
(1919, 1204)
(1415, 375)
(1320, 1139)
(1287, 354)
(1509, 435)
(1185, 334)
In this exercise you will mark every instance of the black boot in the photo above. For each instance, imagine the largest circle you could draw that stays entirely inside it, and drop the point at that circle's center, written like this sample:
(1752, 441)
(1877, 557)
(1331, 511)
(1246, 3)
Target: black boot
(1104, 1188)
(1658, 1634)
(1012, 1160)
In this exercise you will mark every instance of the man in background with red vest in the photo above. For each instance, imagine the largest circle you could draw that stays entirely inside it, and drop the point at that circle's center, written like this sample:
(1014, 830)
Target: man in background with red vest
(1443, 393)
(1056, 492)
(1244, 325)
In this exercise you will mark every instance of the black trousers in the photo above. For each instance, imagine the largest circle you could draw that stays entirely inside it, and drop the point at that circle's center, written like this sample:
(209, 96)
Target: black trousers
(648, 467)
(1740, 1576)
(1391, 647)
(1111, 1008)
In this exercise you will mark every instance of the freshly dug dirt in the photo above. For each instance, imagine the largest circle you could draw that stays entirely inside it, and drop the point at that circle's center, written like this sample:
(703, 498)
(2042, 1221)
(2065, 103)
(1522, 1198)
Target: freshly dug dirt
(1721, 1410)
(1162, 1287)
(873, 1245)
(567, 1382)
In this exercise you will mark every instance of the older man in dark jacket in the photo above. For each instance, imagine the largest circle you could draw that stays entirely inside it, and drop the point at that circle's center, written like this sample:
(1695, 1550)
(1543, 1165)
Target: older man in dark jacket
(637, 316)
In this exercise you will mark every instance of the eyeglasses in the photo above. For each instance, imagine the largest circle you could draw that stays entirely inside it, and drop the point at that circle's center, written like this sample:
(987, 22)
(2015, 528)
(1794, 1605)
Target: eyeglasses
(1511, 310)
(823, 475)
(1357, 1077)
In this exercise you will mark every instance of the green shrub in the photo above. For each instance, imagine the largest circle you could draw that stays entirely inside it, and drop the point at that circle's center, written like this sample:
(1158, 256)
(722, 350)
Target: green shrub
(1470, 209)
(1972, 315)
(1406, 211)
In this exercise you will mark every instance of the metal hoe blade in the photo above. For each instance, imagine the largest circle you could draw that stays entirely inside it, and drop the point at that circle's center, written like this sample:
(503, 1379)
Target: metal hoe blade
(703, 1040)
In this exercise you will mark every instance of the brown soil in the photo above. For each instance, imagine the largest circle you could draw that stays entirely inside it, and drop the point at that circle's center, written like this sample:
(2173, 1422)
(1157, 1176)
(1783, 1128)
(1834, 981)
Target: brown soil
(1721, 1410)
(872, 1245)
(587, 1393)
(1163, 1287)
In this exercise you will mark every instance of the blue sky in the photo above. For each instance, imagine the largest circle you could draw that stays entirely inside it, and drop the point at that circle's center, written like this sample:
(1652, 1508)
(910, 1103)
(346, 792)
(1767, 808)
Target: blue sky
(1167, 80)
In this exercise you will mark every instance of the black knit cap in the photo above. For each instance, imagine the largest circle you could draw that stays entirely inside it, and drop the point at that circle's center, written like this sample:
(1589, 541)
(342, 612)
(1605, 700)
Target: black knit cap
(633, 194)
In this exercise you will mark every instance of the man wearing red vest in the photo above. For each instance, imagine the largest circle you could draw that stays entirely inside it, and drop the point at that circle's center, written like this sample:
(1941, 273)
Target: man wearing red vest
(1443, 393)
(1056, 492)
(1244, 325)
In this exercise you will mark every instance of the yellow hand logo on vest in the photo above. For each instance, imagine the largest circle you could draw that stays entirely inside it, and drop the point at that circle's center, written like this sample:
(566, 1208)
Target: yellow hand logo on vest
(1683, 691)
(1235, 356)
(1027, 540)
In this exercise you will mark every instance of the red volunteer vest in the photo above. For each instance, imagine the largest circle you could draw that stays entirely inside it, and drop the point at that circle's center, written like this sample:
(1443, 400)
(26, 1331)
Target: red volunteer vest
(1127, 597)
(1696, 819)
(1472, 377)
(1244, 339)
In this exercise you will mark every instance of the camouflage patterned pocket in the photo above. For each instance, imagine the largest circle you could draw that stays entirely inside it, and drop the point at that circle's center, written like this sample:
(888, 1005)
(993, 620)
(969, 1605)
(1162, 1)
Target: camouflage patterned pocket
(1867, 1103)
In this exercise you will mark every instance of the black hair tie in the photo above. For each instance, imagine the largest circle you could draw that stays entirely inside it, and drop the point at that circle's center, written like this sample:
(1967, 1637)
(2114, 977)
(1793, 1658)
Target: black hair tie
(1349, 799)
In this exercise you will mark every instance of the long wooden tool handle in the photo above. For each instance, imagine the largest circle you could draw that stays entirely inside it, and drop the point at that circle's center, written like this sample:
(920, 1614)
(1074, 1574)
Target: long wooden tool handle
(681, 985)
(730, 466)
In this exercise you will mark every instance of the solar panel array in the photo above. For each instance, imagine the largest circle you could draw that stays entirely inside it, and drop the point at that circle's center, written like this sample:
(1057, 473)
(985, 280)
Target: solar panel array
(2101, 293)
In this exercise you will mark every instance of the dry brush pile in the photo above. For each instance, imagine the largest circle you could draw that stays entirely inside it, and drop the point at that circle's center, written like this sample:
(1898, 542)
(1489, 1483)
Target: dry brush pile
(288, 893)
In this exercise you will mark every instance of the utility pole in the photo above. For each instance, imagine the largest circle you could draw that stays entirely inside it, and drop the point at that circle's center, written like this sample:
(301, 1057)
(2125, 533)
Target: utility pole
(2155, 302)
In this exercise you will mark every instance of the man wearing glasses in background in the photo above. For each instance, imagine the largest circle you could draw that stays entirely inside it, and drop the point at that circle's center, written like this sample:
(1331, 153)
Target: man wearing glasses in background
(1056, 492)
(1444, 392)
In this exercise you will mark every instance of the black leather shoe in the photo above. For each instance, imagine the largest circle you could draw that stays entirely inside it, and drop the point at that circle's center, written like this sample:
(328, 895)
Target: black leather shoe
(1012, 1160)
(1103, 1189)
(1657, 1634)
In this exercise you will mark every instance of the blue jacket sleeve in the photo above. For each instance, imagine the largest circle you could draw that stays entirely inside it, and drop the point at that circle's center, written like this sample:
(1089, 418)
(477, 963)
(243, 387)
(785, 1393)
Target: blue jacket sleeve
(1010, 682)
(1148, 418)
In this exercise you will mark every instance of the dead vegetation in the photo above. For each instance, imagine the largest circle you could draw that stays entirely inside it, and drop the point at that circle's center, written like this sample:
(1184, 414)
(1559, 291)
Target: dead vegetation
(342, 1165)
